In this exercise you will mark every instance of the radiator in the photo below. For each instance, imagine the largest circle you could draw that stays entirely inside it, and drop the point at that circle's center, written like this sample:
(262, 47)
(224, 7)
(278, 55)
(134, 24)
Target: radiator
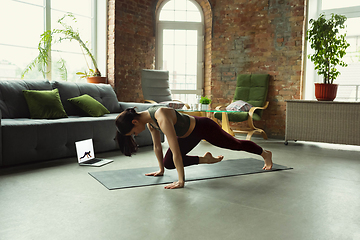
(322, 121)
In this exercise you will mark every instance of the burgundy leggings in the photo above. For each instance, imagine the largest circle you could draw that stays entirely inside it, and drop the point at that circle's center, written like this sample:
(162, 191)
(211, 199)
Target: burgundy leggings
(209, 130)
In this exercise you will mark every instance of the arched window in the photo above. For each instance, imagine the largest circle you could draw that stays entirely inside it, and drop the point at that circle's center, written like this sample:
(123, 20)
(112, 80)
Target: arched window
(180, 47)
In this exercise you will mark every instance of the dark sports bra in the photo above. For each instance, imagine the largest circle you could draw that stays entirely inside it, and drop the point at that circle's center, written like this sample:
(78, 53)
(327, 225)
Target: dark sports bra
(181, 126)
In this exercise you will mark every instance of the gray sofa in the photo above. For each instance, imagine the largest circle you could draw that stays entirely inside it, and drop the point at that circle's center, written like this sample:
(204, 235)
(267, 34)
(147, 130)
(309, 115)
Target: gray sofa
(25, 140)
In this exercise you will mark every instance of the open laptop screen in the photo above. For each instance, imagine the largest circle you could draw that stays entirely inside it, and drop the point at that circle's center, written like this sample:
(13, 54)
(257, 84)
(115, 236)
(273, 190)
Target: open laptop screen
(85, 150)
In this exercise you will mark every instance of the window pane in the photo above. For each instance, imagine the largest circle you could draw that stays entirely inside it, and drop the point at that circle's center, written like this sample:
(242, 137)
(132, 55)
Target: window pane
(11, 65)
(74, 63)
(180, 57)
(180, 5)
(352, 26)
(348, 79)
(191, 37)
(187, 98)
(27, 21)
(193, 17)
(193, 14)
(16, 50)
(191, 54)
(169, 6)
(82, 24)
(191, 7)
(168, 36)
(331, 4)
(190, 82)
(82, 7)
(70, 51)
(37, 2)
(180, 16)
(167, 15)
(168, 58)
(180, 10)
(191, 69)
(348, 93)
(180, 37)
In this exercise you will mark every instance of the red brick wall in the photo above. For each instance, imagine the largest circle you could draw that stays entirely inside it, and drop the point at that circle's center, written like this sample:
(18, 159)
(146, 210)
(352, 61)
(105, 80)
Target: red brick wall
(258, 36)
(131, 41)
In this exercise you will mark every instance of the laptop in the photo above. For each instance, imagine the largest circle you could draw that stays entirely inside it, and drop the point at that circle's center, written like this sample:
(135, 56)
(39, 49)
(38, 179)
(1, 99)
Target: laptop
(86, 155)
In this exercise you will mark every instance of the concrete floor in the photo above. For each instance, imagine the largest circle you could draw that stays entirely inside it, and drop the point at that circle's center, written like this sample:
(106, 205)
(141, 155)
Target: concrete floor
(318, 199)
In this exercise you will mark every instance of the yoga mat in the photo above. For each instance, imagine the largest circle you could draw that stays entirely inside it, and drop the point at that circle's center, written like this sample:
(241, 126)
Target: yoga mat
(128, 178)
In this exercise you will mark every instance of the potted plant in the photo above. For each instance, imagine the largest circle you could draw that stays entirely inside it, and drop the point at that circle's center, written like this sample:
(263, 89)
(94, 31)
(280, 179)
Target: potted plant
(55, 36)
(329, 46)
(205, 101)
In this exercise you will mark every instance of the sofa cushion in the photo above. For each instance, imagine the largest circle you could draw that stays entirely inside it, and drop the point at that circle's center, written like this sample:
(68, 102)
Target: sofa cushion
(12, 100)
(89, 105)
(43, 139)
(44, 104)
(103, 93)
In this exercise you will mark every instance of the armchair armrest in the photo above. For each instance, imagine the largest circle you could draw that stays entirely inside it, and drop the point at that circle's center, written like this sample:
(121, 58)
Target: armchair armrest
(149, 101)
(251, 113)
(252, 110)
(220, 107)
(185, 104)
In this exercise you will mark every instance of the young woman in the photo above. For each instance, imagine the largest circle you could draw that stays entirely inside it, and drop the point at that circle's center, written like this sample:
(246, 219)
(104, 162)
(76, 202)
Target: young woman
(183, 133)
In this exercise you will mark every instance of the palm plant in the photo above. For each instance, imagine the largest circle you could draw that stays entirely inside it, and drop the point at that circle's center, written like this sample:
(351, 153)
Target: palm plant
(51, 37)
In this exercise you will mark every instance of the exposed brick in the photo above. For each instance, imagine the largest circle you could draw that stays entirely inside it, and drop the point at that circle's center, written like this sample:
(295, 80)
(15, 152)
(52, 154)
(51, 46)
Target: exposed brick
(258, 36)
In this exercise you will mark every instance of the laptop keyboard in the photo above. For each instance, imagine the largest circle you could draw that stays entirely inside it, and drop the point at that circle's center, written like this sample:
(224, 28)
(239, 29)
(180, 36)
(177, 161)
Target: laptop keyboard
(92, 161)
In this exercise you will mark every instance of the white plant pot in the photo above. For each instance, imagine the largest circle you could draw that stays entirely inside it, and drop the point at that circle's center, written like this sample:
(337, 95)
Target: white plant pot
(204, 107)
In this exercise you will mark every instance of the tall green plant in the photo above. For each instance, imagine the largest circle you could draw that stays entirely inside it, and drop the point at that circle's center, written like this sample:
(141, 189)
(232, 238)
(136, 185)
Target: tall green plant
(56, 36)
(42, 61)
(329, 45)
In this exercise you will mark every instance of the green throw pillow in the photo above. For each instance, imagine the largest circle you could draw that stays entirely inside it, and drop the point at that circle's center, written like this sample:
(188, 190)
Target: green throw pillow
(44, 104)
(89, 105)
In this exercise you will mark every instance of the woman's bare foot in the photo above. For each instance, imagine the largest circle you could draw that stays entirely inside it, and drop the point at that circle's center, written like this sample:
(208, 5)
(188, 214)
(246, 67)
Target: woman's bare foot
(267, 155)
(209, 159)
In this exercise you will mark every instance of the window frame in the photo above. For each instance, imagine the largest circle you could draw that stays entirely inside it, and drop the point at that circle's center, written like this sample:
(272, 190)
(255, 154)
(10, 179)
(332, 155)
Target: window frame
(180, 25)
(311, 76)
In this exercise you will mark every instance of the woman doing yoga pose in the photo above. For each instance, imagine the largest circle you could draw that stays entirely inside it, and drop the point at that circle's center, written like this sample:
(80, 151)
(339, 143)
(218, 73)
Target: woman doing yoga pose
(183, 133)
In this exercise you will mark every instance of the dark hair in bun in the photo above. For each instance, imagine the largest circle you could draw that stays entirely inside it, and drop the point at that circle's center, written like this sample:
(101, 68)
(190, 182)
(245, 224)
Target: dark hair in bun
(124, 125)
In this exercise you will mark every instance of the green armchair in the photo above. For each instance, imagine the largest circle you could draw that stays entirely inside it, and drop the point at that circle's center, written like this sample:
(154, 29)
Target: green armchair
(253, 89)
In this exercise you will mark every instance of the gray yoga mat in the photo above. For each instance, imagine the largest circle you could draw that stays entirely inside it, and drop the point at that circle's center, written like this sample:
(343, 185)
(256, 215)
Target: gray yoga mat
(128, 178)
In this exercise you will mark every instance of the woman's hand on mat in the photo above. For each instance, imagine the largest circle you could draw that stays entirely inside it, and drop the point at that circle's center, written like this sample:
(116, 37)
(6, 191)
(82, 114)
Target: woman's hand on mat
(158, 173)
(174, 185)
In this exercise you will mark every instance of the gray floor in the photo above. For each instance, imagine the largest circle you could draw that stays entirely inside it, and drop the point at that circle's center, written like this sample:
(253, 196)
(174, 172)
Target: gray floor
(318, 199)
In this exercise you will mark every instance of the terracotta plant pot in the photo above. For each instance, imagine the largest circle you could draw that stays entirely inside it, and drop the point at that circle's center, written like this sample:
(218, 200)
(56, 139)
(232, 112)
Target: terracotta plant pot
(325, 92)
(97, 80)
